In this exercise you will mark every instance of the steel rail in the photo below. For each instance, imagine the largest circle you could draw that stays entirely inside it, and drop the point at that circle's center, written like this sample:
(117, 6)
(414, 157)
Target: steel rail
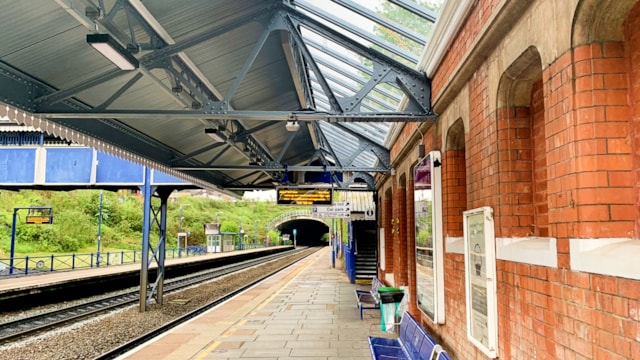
(12, 330)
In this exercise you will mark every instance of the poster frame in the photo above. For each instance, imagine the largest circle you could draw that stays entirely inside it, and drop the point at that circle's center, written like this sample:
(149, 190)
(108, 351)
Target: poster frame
(488, 344)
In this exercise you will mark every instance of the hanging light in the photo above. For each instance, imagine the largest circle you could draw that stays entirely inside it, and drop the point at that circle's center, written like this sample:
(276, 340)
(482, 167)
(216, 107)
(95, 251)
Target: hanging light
(113, 51)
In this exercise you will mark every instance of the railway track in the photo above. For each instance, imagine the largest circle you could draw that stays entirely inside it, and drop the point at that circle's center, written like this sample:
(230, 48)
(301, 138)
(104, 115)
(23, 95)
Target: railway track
(31, 325)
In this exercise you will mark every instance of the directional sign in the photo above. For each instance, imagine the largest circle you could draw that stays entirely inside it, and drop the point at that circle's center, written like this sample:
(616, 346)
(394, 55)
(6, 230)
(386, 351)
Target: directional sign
(337, 210)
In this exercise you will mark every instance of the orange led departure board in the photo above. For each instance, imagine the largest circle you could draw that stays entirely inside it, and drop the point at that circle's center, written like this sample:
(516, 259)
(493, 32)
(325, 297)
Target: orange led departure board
(304, 196)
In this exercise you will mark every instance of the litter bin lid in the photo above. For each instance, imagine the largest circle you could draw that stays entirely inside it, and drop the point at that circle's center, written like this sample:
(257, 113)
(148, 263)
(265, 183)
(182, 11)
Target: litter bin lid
(389, 289)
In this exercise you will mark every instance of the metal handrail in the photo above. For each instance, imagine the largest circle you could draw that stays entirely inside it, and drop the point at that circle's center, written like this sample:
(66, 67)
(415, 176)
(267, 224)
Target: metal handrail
(67, 262)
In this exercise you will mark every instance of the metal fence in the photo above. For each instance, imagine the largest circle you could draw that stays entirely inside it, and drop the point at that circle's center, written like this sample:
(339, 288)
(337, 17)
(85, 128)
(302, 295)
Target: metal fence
(67, 262)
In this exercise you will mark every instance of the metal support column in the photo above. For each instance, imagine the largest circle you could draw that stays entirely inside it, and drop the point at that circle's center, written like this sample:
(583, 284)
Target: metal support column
(146, 210)
(155, 289)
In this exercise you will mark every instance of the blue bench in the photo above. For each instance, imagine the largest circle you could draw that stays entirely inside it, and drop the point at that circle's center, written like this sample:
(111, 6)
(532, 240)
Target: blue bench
(368, 299)
(413, 342)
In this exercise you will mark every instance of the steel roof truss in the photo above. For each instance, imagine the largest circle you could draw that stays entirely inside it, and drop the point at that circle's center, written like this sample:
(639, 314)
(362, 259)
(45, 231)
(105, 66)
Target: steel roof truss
(368, 179)
(409, 79)
(344, 95)
(197, 152)
(213, 159)
(286, 145)
(356, 100)
(362, 147)
(347, 61)
(325, 145)
(185, 44)
(274, 24)
(261, 126)
(197, 85)
(382, 155)
(195, 95)
(120, 91)
(298, 40)
(297, 70)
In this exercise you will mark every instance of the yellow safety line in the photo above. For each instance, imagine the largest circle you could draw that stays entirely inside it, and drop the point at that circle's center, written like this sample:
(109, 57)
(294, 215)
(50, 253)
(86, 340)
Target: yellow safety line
(215, 344)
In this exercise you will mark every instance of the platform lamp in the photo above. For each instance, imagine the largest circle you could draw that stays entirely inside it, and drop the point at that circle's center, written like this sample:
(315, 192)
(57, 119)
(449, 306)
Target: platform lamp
(113, 51)
(218, 212)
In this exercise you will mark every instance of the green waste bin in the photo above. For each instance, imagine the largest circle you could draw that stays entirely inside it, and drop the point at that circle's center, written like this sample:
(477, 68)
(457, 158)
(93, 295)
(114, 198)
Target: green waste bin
(390, 298)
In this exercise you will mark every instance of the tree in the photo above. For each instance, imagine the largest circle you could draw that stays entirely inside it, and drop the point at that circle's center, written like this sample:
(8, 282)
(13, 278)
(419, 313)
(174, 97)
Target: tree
(408, 19)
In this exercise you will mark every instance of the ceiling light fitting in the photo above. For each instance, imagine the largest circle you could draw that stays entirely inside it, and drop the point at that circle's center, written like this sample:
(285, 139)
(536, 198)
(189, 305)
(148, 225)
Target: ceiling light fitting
(215, 134)
(292, 126)
(112, 50)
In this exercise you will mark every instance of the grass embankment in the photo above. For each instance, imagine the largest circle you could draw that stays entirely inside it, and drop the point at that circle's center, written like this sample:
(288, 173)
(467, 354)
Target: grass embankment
(75, 223)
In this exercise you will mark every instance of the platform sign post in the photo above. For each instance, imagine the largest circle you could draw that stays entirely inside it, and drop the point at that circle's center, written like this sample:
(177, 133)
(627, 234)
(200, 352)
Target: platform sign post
(99, 229)
(35, 215)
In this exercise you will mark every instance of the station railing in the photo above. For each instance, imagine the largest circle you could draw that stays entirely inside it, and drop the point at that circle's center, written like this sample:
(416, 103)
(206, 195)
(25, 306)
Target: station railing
(30, 265)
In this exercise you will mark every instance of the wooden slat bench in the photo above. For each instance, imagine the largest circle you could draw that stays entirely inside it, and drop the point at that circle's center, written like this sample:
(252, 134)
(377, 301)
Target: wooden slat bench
(367, 299)
(413, 342)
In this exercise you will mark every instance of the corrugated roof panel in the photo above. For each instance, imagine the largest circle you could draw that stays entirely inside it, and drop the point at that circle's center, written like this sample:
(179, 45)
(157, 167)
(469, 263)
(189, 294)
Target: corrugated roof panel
(47, 42)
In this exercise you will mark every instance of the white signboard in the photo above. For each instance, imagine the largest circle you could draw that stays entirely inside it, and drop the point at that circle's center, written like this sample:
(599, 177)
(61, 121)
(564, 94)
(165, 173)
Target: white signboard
(480, 274)
(337, 210)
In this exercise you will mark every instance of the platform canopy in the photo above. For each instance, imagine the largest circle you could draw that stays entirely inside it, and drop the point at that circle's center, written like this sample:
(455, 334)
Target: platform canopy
(227, 94)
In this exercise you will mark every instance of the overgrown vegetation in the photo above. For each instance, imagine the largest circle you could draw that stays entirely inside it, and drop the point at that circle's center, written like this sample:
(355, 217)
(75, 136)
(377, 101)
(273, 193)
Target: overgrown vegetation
(75, 224)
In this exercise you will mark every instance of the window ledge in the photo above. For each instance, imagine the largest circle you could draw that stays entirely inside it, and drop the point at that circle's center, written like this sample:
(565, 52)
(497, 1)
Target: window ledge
(455, 245)
(613, 257)
(529, 250)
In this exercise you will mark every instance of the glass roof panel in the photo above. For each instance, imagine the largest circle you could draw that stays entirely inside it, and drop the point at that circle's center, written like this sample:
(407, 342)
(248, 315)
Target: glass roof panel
(397, 28)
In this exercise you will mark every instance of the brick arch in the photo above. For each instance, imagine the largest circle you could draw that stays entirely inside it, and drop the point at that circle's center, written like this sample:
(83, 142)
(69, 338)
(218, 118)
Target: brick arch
(454, 180)
(600, 21)
(455, 136)
(514, 89)
(522, 209)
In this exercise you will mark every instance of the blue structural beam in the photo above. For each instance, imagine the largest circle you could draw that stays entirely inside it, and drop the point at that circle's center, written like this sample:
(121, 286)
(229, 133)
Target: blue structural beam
(55, 166)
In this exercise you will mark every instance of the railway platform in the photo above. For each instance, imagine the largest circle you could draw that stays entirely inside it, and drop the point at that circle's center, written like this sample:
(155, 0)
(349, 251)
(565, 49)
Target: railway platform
(304, 312)
(46, 283)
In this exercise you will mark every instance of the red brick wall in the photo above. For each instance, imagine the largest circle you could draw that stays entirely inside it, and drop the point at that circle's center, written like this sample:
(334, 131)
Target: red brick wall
(539, 148)
(400, 239)
(632, 52)
(560, 132)
(479, 16)
(387, 215)
(583, 123)
(454, 202)
(603, 190)
(411, 244)
(482, 154)
(514, 216)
